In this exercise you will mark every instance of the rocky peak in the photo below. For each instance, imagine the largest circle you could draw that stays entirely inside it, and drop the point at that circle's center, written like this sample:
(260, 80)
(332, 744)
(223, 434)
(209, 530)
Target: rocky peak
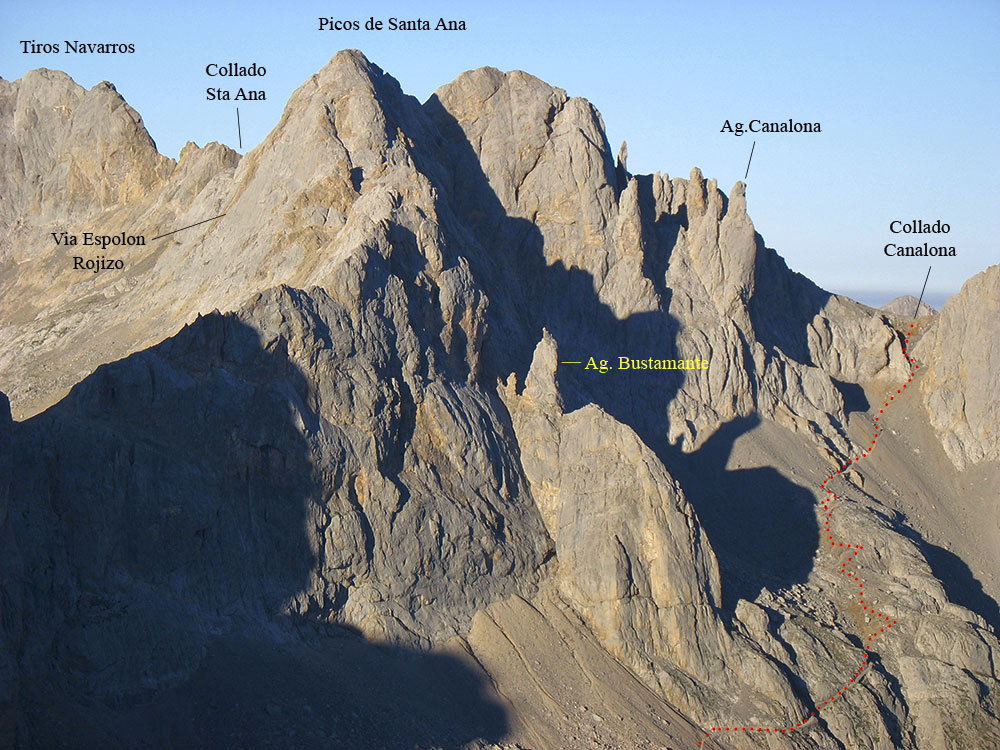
(907, 306)
(348, 447)
(73, 150)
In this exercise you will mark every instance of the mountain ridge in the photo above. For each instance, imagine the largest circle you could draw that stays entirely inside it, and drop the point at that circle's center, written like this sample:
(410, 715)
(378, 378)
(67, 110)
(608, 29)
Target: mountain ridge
(410, 280)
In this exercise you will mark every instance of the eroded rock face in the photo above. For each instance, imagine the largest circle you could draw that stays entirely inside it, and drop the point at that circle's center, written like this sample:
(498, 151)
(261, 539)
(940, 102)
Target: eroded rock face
(275, 463)
(654, 266)
(624, 535)
(379, 433)
(963, 371)
(69, 151)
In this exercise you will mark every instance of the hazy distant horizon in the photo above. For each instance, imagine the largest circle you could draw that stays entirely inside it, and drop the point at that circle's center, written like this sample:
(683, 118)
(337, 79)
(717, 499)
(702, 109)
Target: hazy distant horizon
(878, 298)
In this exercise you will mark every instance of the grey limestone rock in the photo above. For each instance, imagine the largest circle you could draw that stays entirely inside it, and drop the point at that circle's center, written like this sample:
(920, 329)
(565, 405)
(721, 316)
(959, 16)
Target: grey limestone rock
(369, 426)
(962, 361)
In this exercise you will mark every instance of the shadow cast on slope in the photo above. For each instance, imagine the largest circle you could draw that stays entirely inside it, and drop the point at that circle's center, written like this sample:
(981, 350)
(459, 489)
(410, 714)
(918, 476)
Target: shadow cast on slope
(762, 526)
(956, 577)
(853, 396)
(333, 691)
(783, 305)
(528, 293)
(162, 509)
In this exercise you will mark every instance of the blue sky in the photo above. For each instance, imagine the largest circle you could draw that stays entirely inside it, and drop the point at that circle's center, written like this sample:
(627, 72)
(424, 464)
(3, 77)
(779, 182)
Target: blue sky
(907, 94)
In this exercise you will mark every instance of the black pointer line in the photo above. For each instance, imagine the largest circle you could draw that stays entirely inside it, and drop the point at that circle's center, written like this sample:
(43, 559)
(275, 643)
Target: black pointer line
(750, 159)
(238, 131)
(922, 293)
(187, 227)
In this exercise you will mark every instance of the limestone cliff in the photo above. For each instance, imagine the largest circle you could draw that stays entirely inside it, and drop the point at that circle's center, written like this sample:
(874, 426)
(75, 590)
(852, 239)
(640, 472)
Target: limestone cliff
(963, 371)
(341, 415)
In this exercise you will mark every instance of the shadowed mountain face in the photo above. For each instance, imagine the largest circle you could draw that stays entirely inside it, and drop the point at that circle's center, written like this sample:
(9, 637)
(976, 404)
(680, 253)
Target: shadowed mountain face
(381, 501)
(171, 524)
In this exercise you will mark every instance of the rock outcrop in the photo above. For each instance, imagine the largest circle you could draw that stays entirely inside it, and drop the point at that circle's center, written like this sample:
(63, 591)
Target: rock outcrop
(963, 371)
(356, 409)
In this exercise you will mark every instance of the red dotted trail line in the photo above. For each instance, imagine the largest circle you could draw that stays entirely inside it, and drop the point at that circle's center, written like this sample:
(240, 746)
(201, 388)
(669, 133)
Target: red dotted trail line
(884, 622)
